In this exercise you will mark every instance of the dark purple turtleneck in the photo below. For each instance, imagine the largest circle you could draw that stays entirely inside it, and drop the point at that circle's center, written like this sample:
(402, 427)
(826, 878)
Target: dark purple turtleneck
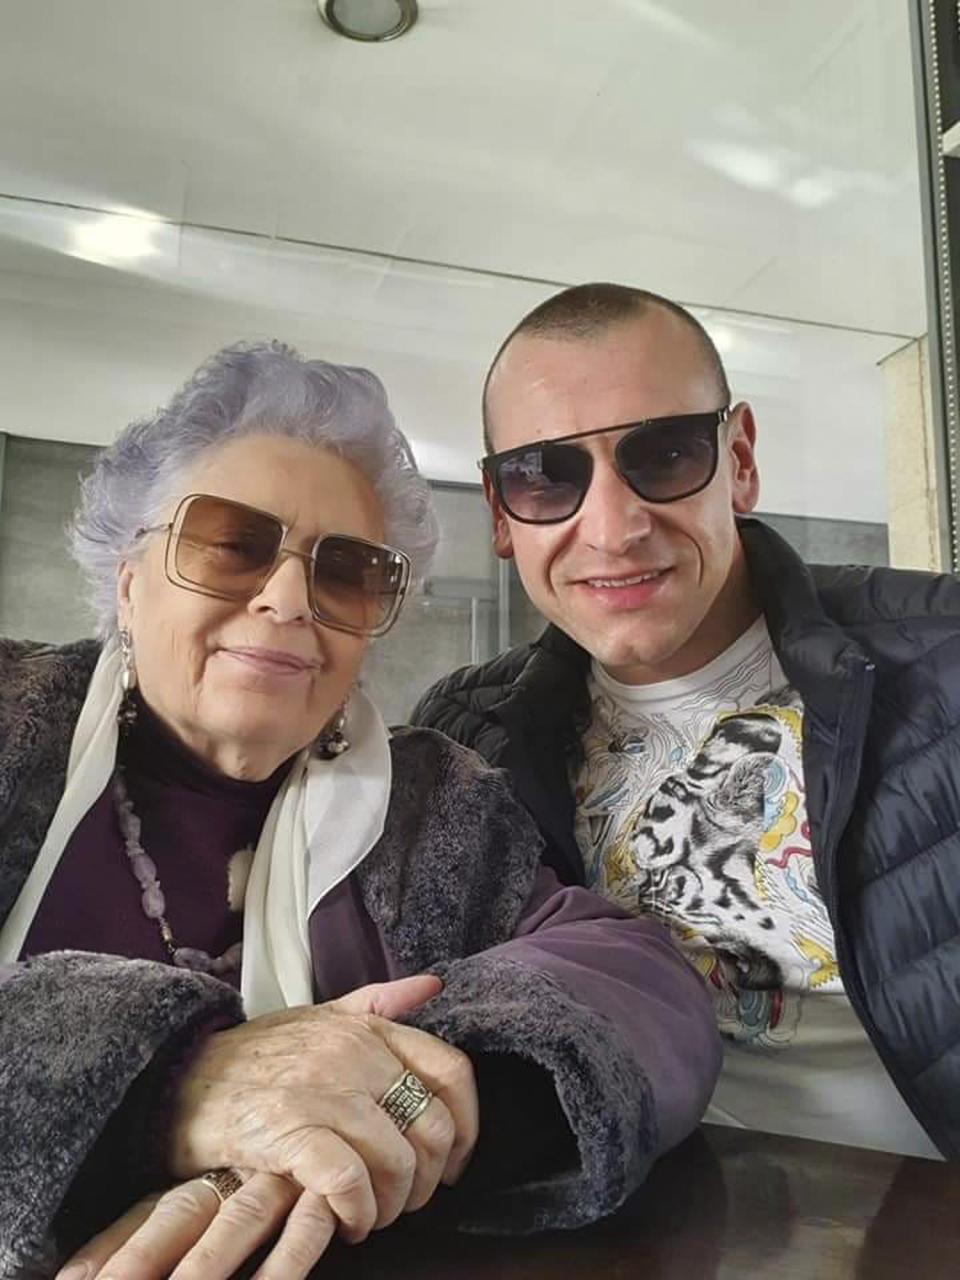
(193, 820)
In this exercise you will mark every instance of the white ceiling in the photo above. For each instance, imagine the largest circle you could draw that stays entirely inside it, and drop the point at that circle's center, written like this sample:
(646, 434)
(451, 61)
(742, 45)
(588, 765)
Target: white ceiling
(745, 154)
(402, 205)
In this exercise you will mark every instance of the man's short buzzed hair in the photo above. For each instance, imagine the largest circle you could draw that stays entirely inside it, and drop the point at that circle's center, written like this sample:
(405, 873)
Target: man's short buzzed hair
(584, 310)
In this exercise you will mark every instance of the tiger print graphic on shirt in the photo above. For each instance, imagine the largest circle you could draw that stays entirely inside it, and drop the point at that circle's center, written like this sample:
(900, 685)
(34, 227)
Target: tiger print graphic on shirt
(716, 844)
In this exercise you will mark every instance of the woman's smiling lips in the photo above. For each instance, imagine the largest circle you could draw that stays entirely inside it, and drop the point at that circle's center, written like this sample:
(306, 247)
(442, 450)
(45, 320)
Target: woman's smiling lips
(276, 662)
(625, 591)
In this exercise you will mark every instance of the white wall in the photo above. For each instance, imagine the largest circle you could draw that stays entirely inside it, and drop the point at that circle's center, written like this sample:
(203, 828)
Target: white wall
(86, 345)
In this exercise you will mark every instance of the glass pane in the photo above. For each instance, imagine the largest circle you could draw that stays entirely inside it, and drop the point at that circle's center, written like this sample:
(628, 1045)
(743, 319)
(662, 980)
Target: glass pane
(431, 639)
(42, 595)
(449, 622)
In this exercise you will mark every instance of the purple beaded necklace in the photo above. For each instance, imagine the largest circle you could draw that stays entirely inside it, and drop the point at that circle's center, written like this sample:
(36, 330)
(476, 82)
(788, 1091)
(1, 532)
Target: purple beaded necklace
(152, 901)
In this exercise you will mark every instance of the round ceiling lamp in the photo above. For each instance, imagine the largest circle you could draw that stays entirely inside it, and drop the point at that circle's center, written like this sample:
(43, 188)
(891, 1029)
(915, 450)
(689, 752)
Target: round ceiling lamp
(369, 19)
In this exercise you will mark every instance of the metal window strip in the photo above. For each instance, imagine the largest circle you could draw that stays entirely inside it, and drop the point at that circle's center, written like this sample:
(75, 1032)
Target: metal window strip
(935, 30)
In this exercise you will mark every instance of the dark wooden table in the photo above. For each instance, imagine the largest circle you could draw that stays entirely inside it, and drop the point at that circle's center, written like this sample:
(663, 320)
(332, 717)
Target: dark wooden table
(725, 1204)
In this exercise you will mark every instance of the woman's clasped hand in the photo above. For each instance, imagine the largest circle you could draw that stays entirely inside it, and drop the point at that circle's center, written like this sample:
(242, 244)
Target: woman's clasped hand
(292, 1101)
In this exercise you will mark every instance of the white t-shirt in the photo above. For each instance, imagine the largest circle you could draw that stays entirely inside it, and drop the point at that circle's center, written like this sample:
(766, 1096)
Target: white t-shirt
(691, 806)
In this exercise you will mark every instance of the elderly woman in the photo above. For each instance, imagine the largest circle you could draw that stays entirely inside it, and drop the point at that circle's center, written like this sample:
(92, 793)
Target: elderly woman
(206, 830)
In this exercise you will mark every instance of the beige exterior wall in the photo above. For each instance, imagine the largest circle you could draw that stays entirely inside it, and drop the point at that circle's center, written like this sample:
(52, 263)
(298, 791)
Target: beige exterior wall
(913, 519)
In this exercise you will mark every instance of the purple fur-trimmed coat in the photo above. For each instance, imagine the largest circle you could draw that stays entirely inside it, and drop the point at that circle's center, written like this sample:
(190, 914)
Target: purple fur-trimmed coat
(602, 1002)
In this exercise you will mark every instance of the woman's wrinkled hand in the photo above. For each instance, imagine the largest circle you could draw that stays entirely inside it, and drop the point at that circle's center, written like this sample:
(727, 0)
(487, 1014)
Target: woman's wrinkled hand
(296, 1094)
(186, 1234)
(300, 1090)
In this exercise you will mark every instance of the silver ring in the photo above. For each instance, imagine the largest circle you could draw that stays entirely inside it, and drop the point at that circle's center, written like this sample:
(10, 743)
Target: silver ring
(407, 1098)
(222, 1182)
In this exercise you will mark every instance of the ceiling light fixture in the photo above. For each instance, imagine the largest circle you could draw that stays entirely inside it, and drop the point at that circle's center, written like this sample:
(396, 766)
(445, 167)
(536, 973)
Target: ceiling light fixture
(369, 19)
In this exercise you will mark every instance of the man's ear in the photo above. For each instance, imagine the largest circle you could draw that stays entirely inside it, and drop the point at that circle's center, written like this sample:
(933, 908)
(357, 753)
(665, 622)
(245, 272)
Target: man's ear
(741, 445)
(502, 540)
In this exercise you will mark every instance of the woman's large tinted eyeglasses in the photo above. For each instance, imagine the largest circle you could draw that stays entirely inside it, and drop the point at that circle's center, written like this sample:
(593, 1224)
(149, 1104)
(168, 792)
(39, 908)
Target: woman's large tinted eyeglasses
(661, 459)
(229, 550)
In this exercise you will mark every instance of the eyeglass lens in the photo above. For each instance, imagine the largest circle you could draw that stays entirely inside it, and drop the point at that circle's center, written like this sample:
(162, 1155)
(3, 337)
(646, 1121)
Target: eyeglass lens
(661, 462)
(230, 550)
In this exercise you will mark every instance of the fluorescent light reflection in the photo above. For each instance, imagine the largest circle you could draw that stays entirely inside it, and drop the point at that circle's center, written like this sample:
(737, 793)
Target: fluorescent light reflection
(788, 174)
(753, 167)
(443, 462)
(116, 239)
(723, 337)
(664, 18)
(813, 191)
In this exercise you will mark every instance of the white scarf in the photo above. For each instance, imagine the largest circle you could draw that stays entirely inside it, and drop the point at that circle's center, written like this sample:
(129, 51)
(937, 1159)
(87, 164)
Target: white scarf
(324, 820)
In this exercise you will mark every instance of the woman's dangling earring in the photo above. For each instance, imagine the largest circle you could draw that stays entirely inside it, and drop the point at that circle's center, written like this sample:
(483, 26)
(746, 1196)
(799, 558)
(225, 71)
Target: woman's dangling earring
(332, 741)
(127, 714)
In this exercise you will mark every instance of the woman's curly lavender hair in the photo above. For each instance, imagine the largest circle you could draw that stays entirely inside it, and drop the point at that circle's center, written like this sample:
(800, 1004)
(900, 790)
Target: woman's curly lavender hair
(247, 389)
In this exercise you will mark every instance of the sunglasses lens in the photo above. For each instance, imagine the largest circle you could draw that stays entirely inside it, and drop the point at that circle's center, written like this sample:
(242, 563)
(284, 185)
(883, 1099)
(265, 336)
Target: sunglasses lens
(225, 547)
(358, 585)
(544, 483)
(670, 460)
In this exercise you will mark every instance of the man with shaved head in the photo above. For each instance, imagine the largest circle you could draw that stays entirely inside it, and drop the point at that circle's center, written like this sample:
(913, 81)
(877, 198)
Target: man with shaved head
(761, 753)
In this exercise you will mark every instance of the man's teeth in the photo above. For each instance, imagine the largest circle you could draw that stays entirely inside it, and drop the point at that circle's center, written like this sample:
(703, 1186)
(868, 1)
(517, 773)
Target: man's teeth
(626, 582)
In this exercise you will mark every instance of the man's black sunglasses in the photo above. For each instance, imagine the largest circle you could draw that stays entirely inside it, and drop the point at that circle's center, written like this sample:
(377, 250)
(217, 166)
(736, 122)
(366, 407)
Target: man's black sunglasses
(661, 459)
